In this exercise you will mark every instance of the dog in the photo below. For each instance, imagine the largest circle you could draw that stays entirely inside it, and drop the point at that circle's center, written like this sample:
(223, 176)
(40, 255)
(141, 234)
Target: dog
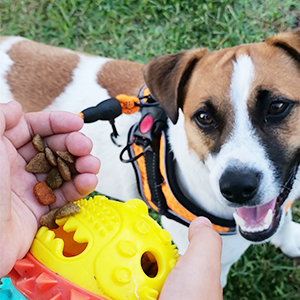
(232, 126)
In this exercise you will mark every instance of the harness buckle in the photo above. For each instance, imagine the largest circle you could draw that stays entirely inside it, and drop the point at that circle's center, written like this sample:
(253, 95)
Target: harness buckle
(148, 131)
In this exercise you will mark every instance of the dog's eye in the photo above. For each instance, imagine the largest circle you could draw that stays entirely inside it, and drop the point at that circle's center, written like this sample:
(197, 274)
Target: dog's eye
(277, 108)
(204, 119)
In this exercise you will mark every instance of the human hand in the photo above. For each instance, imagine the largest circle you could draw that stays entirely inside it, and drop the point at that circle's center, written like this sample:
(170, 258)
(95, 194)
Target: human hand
(196, 276)
(19, 209)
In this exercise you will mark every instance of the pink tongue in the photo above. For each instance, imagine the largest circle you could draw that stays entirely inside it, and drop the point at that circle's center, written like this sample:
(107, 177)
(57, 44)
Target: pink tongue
(254, 216)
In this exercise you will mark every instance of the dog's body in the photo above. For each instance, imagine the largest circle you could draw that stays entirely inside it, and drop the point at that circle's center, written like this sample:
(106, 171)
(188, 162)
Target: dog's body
(233, 127)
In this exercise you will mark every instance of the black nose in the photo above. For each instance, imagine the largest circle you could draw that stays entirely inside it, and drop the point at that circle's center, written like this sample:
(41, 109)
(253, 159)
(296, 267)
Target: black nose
(239, 186)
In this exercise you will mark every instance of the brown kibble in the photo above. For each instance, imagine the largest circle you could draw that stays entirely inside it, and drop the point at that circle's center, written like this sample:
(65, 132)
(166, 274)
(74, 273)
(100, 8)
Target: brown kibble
(38, 143)
(64, 169)
(43, 193)
(50, 157)
(54, 179)
(66, 156)
(49, 218)
(67, 210)
(38, 164)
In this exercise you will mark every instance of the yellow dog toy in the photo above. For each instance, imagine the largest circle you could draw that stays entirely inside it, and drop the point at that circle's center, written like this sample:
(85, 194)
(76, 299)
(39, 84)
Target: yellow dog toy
(109, 250)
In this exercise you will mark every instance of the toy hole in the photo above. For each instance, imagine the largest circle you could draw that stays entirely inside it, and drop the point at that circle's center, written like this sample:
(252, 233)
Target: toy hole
(71, 247)
(149, 264)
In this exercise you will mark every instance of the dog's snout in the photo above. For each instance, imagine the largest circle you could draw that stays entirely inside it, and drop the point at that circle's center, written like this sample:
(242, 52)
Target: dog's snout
(239, 186)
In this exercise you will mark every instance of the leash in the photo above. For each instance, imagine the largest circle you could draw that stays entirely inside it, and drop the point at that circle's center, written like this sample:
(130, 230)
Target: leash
(150, 153)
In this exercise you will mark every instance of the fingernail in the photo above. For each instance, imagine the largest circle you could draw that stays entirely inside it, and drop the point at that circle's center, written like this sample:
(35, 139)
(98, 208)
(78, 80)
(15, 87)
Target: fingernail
(205, 221)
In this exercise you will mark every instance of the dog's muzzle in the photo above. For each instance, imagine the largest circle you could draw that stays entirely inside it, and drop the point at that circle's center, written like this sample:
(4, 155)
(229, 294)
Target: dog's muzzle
(255, 223)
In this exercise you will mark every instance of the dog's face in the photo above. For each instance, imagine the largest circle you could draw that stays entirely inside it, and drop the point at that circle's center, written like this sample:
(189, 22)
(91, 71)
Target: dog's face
(242, 118)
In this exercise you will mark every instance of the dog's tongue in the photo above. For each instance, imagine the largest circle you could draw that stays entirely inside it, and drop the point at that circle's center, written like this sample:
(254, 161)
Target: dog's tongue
(254, 216)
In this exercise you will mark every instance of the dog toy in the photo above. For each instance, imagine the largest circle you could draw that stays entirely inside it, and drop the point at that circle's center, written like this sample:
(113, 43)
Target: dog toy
(108, 250)
(8, 291)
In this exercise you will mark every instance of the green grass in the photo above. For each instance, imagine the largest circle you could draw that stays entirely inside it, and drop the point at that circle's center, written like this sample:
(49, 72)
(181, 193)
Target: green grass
(142, 29)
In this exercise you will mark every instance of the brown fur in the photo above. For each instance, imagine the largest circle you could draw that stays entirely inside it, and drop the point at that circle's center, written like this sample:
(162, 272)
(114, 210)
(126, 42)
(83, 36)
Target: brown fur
(166, 77)
(186, 79)
(121, 77)
(2, 38)
(210, 80)
(214, 88)
(39, 74)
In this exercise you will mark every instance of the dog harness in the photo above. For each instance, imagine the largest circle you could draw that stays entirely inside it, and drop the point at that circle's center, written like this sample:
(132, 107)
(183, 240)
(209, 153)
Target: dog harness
(149, 151)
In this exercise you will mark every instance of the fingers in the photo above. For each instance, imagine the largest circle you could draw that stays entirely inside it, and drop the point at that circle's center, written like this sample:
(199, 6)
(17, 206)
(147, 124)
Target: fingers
(78, 188)
(43, 123)
(87, 164)
(197, 274)
(10, 114)
(49, 123)
(75, 142)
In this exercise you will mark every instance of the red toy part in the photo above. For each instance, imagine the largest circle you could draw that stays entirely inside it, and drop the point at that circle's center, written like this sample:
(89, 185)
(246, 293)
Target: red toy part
(35, 281)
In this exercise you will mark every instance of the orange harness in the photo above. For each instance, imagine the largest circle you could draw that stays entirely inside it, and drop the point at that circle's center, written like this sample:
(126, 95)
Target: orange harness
(153, 161)
(158, 186)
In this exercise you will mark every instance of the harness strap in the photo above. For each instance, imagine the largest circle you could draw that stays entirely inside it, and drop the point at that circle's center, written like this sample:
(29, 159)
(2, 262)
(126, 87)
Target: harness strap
(158, 186)
(152, 158)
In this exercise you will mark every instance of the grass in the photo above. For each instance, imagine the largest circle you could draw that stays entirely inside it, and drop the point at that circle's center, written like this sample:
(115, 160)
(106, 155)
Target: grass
(142, 29)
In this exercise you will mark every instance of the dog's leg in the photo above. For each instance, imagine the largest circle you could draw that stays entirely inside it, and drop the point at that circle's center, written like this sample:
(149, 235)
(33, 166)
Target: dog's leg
(233, 245)
(178, 232)
(233, 248)
(288, 237)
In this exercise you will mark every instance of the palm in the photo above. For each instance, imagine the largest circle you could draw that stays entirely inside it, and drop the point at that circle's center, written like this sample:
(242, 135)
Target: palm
(21, 216)
(19, 209)
(25, 210)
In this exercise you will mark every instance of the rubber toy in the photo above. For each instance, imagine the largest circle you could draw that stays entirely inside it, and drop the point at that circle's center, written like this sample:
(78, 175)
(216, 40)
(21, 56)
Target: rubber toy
(8, 291)
(109, 250)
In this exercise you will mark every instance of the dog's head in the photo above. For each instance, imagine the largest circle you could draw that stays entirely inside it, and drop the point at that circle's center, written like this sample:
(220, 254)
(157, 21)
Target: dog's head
(242, 118)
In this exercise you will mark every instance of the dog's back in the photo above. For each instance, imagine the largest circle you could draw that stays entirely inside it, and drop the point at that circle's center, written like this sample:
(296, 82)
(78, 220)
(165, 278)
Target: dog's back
(43, 77)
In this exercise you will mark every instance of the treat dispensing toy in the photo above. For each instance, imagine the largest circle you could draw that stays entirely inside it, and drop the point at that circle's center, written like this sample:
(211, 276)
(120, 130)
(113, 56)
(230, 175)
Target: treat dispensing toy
(108, 250)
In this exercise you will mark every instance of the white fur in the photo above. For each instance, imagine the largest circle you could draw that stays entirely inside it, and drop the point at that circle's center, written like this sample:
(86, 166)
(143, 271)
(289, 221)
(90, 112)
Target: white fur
(5, 65)
(198, 180)
(288, 237)
(243, 149)
(192, 173)
(83, 91)
(116, 179)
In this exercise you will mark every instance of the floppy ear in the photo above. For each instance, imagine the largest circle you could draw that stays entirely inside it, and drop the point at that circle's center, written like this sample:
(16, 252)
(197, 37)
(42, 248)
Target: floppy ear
(166, 77)
(289, 42)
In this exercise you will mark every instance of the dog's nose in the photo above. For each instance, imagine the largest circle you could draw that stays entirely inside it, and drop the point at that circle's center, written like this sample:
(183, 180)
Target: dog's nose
(239, 186)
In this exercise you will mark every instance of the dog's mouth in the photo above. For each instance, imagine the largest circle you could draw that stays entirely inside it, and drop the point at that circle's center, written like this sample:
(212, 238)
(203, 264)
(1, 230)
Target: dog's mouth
(259, 223)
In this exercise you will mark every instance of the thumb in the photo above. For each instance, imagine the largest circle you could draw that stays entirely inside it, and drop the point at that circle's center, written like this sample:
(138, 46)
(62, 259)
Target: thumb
(197, 274)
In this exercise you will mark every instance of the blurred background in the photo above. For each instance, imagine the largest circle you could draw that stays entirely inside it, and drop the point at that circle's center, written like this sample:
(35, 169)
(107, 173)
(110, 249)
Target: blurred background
(140, 30)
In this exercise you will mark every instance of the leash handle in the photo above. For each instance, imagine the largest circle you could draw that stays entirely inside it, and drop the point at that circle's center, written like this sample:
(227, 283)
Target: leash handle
(106, 110)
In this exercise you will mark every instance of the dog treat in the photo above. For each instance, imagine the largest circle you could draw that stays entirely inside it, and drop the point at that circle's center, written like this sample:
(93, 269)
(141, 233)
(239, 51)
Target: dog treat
(50, 157)
(57, 169)
(54, 179)
(67, 210)
(43, 193)
(66, 156)
(48, 219)
(64, 169)
(38, 164)
(38, 143)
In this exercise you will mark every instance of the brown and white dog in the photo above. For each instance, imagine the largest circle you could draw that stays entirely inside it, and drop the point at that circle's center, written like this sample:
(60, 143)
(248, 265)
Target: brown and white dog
(234, 126)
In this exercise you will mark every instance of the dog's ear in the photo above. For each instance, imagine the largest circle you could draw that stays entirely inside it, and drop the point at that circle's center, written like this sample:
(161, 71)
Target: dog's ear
(289, 42)
(166, 77)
